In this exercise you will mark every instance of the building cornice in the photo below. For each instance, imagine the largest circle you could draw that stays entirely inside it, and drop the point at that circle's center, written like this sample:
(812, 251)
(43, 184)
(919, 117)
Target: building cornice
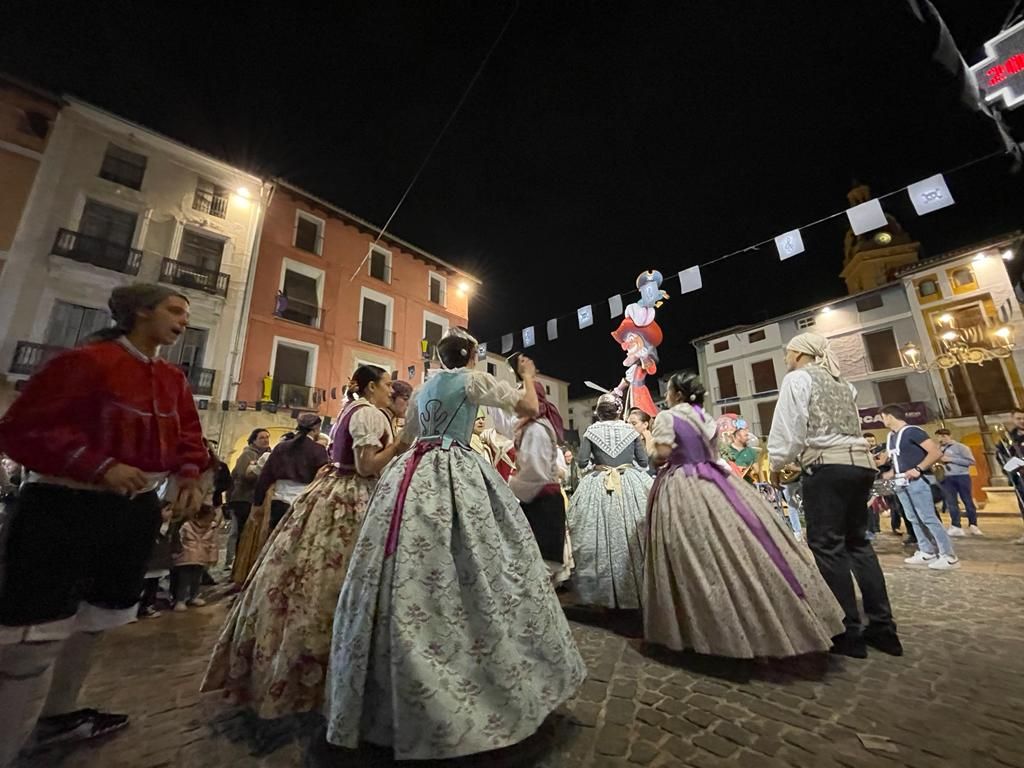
(361, 223)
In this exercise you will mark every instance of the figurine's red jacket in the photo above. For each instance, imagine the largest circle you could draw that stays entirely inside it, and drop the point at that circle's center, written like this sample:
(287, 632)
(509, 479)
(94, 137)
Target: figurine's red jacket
(99, 404)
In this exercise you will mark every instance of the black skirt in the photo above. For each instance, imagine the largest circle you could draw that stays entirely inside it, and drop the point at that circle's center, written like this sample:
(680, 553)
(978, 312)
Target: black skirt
(546, 515)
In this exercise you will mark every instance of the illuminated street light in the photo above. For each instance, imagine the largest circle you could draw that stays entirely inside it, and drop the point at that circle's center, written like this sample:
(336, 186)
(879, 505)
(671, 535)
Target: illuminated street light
(959, 351)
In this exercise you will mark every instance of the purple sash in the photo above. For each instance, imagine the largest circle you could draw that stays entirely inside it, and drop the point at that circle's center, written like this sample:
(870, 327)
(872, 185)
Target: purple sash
(693, 456)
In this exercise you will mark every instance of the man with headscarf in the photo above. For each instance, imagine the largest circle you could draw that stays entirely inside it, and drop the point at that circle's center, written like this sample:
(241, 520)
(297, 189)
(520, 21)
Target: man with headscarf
(537, 479)
(816, 425)
(98, 429)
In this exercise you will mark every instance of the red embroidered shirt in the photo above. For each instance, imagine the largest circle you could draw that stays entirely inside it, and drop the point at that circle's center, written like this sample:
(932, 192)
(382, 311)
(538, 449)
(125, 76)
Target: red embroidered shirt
(104, 403)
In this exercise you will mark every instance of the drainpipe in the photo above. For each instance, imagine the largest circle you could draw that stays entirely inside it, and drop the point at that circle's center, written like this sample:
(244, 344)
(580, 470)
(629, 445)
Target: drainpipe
(230, 386)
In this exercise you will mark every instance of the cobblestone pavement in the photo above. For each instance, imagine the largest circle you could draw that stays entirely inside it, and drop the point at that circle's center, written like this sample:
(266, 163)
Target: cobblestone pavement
(955, 699)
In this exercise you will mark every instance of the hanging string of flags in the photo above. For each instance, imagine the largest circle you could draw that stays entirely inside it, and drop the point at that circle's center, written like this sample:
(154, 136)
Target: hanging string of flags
(927, 196)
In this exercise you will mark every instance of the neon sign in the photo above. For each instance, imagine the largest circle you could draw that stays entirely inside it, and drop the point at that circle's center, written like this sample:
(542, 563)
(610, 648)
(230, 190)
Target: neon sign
(1001, 73)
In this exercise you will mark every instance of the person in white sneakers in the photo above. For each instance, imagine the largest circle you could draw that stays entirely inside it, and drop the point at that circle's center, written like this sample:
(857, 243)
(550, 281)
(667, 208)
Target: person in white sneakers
(912, 453)
(957, 461)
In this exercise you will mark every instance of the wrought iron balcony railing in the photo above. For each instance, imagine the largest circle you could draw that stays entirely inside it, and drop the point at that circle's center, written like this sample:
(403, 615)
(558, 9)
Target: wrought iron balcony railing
(98, 252)
(197, 278)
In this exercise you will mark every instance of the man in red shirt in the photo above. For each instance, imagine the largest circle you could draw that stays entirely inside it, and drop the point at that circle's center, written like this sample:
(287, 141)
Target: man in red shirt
(98, 429)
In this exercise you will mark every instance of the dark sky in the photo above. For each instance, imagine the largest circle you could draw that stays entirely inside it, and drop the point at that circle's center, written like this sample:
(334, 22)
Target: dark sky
(601, 140)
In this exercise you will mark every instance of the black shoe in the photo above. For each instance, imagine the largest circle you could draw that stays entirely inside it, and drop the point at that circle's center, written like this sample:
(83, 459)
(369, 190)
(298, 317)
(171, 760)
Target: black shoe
(886, 641)
(849, 645)
(80, 725)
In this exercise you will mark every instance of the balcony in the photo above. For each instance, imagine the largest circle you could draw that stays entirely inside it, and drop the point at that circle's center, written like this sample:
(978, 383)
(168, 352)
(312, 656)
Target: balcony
(297, 311)
(197, 278)
(98, 252)
(376, 335)
(28, 356)
(300, 397)
(211, 201)
(199, 379)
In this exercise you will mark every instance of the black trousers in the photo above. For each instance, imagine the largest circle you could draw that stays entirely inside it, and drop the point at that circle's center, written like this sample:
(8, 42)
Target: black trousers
(836, 508)
(240, 511)
(546, 516)
(278, 509)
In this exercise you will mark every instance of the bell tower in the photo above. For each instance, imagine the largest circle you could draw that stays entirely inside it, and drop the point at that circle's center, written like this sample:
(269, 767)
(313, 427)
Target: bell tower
(871, 259)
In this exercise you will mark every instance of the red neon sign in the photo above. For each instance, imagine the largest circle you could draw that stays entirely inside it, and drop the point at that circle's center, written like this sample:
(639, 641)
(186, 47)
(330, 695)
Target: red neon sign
(999, 72)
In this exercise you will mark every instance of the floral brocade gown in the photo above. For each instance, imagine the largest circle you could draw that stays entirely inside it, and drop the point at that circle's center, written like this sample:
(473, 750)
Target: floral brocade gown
(273, 652)
(723, 575)
(448, 638)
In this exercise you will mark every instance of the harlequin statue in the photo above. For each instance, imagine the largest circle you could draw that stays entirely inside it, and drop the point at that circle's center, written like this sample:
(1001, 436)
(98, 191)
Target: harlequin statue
(640, 336)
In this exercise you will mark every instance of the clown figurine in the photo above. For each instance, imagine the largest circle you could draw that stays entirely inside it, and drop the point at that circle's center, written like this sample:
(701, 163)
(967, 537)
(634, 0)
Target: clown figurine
(640, 336)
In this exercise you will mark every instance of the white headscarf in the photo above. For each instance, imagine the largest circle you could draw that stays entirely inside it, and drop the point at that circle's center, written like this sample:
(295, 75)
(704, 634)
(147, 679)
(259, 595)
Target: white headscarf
(816, 346)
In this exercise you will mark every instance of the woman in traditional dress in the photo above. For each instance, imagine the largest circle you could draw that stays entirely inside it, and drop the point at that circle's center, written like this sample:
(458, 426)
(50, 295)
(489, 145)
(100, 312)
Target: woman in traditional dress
(273, 651)
(283, 474)
(448, 639)
(723, 575)
(607, 511)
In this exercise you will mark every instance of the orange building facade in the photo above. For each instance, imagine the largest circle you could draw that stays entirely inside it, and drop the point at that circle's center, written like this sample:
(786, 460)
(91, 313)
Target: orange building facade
(309, 324)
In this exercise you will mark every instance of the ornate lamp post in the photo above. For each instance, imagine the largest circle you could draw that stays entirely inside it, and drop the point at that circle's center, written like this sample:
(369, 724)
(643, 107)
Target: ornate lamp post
(960, 348)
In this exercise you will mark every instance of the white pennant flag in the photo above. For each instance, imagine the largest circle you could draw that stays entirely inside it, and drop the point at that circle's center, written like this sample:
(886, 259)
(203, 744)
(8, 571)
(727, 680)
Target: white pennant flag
(506, 343)
(529, 337)
(866, 217)
(689, 280)
(930, 194)
(615, 305)
(552, 329)
(585, 316)
(789, 244)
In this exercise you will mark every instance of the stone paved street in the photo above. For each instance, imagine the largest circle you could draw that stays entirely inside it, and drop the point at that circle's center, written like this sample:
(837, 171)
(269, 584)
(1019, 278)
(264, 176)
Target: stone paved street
(955, 699)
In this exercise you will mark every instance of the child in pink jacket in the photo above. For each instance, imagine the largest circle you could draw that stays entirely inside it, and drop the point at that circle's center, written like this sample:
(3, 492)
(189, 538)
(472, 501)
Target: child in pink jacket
(199, 549)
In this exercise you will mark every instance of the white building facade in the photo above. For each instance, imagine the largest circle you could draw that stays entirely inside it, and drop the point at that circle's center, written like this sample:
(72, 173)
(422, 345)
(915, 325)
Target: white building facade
(556, 390)
(112, 204)
(743, 366)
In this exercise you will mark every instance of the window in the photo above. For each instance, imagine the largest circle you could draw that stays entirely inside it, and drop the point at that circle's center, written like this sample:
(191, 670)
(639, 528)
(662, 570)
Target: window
(868, 303)
(883, 354)
(123, 167)
(210, 198)
(433, 331)
(300, 301)
(805, 322)
(547, 389)
(292, 373)
(721, 346)
(493, 370)
(189, 350)
(438, 289)
(763, 372)
(375, 315)
(726, 382)
(765, 414)
(201, 251)
(380, 264)
(755, 336)
(962, 279)
(893, 391)
(106, 223)
(71, 324)
(928, 288)
(309, 232)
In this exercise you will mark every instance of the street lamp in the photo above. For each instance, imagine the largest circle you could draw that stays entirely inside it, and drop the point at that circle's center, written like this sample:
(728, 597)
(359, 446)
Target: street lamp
(960, 348)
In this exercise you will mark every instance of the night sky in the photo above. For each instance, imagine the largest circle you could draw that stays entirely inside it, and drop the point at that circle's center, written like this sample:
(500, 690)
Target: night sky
(601, 140)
